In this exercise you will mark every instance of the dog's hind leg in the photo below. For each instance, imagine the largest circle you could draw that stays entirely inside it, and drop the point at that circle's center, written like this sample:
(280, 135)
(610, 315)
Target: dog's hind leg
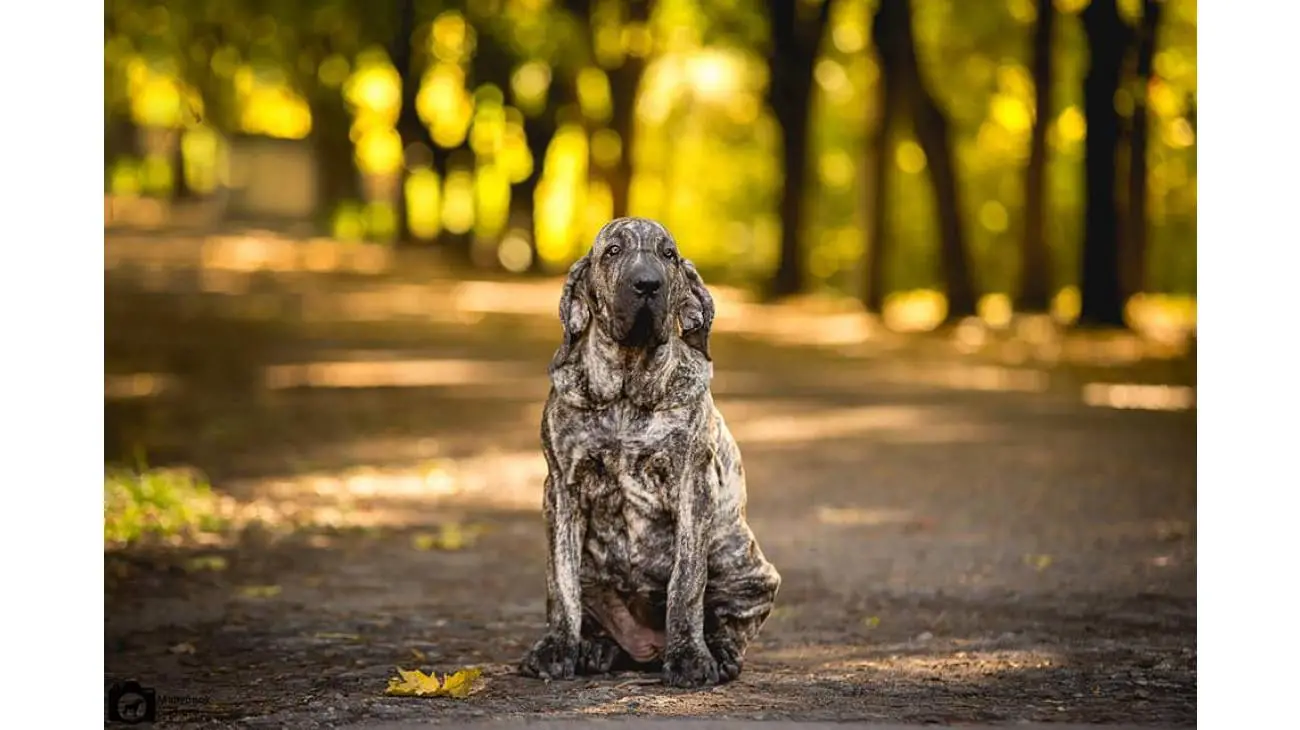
(736, 605)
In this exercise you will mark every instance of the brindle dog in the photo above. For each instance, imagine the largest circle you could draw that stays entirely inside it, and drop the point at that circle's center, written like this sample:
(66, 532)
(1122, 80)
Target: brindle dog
(650, 560)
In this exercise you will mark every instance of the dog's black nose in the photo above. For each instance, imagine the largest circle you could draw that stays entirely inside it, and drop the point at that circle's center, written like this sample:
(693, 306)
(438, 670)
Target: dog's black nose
(647, 285)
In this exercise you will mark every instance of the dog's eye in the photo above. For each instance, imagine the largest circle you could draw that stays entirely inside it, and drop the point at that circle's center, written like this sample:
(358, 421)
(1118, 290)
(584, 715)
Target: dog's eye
(670, 254)
(613, 250)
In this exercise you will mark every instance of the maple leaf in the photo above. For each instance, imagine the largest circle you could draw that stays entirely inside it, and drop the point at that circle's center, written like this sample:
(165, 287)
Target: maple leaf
(461, 683)
(414, 683)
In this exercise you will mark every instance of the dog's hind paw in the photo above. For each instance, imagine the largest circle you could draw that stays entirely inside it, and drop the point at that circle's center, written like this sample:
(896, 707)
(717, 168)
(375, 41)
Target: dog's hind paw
(596, 655)
(729, 656)
(552, 657)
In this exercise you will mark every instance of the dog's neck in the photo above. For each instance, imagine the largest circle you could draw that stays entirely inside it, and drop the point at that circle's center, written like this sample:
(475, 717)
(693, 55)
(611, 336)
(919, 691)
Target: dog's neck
(602, 372)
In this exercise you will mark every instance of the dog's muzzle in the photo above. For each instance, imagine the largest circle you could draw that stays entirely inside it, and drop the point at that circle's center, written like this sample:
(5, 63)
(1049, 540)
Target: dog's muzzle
(642, 307)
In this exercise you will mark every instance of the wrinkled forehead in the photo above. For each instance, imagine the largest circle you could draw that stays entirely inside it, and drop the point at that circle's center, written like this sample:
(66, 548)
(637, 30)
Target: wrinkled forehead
(636, 233)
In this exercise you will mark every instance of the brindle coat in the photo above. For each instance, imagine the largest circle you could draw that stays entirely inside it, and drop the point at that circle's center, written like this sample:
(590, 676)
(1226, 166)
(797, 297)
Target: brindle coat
(649, 557)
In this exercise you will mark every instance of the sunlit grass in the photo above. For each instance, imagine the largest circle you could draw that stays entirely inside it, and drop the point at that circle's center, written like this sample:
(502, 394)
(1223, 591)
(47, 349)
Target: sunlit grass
(157, 503)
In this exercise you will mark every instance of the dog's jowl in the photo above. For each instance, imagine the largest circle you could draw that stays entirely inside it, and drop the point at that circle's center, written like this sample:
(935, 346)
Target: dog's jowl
(650, 560)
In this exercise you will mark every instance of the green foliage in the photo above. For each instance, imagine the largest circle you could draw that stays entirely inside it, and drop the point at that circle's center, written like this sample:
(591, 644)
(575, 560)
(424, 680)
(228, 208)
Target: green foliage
(223, 59)
(157, 503)
(976, 59)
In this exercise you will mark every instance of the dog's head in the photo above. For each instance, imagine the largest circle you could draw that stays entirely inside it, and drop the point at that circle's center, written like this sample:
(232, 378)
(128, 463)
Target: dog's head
(637, 288)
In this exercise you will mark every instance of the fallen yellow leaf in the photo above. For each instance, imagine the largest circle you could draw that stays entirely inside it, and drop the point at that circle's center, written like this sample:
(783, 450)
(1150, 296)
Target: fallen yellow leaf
(414, 683)
(1040, 562)
(205, 562)
(871, 622)
(260, 591)
(461, 683)
(450, 536)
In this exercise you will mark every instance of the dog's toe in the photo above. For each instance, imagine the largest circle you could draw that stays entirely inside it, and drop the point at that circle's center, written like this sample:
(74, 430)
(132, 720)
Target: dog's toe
(728, 655)
(552, 657)
(693, 667)
(596, 655)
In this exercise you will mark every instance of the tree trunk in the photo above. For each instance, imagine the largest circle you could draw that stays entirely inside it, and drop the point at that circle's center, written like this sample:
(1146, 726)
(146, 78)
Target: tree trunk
(538, 132)
(335, 154)
(882, 165)
(932, 132)
(1102, 298)
(624, 84)
(1135, 238)
(896, 44)
(888, 105)
(121, 138)
(180, 186)
(1035, 291)
(794, 56)
(203, 40)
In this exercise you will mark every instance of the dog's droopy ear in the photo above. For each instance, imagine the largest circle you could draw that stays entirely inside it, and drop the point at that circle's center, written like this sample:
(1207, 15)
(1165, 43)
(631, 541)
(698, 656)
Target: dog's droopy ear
(575, 310)
(696, 312)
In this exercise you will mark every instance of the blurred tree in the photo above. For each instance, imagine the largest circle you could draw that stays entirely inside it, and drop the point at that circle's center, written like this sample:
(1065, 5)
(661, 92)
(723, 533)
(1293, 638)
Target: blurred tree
(795, 42)
(518, 43)
(1136, 224)
(120, 136)
(414, 133)
(317, 51)
(149, 43)
(888, 102)
(337, 34)
(905, 94)
(622, 65)
(624, 83)
(191, 38)
(1101, 293)
(1035, 291)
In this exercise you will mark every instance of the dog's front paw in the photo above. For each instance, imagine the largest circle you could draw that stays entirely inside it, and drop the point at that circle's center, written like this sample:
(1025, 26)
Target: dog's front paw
(552, 657)
(728, 655)
(690, 666)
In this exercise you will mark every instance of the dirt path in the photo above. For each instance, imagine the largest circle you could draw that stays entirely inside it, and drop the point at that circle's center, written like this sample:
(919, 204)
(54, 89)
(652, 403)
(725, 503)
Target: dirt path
(949, 555)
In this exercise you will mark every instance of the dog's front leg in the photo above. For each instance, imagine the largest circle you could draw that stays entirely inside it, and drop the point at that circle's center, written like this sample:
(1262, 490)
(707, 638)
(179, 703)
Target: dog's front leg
(555, 655)
(687, 660)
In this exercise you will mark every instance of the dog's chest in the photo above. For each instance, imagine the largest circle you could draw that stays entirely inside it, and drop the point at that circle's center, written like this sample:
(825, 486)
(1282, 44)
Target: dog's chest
(628, 460)
(627, 491)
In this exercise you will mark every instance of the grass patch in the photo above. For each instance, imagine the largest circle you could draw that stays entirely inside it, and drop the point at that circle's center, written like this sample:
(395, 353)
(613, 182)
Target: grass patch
(158, 504)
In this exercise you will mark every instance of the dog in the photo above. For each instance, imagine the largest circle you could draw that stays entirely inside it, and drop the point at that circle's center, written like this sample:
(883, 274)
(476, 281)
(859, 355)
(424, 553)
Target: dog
(650, 561)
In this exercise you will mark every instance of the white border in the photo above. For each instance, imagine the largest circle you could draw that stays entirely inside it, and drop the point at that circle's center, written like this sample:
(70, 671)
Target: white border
(51, 296)
(1247, 305)
(52, 299)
